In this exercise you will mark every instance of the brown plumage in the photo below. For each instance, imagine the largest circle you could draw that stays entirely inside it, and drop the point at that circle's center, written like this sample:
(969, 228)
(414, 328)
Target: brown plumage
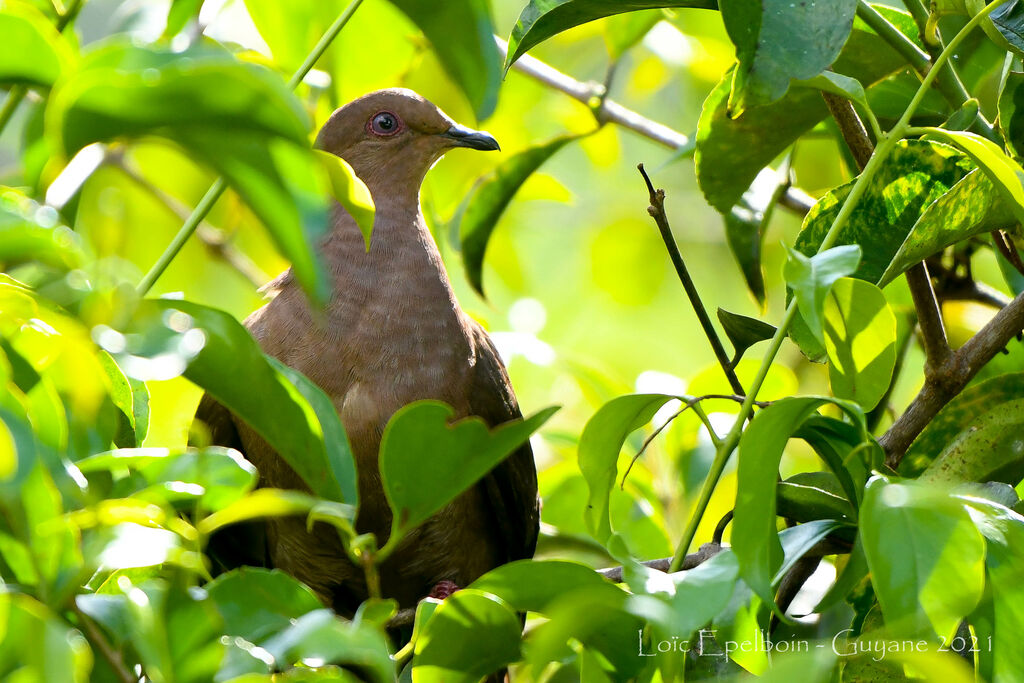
(392, 333)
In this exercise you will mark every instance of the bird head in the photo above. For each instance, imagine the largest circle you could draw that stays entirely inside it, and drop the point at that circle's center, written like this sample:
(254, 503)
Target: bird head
(392, 137)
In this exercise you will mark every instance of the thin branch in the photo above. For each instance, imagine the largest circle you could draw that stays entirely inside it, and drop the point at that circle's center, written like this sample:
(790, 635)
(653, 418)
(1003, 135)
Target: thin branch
(949, 380)
(657, 212)
(929, 315)
(1008, 250)
(965, 289)
(99, 642)
(716, 537)
(608, 110)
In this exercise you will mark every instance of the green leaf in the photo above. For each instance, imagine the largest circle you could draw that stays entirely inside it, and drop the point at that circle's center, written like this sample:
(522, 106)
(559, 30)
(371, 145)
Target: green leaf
(489, 199)
(732, 151)
(350, 192)
(427, 459)
(860, 339)
(1005, 173)
(754, 537)
(812, 278)
(24, 239)
(37, 646)
(971, 207)
(259, 504)
(743, 331)
(289, 411)
(256, 603)
(532, 585)
(1011, 115)
(913, 177)
(623, 31)
(809, 496)
(239, 118)
(600, 444)
(925, 554)
(990, 449)
(837, 84)
(471, 634)
(325, 638)
(541, 19)
(32, 51)
(472, 60)
(181, 13)
(964, 117)
(957, 416)
(778, 41)
(219, 476)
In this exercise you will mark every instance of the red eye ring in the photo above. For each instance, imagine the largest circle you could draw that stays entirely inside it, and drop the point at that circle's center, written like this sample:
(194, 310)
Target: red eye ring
(384, 124)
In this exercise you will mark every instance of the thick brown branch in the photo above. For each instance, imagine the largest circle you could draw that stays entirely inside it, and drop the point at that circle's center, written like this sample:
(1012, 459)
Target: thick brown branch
(951, 377)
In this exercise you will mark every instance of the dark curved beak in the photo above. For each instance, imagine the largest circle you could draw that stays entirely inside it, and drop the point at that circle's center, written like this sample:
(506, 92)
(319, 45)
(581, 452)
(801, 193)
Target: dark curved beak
(460, 136)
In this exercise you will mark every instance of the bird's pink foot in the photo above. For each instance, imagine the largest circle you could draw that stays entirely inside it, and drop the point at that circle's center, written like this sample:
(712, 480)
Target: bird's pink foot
(443, 589)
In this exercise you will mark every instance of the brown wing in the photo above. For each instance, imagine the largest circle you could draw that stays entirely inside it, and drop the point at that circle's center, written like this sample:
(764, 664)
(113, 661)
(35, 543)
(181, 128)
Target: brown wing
(511, 486)
(239, 544)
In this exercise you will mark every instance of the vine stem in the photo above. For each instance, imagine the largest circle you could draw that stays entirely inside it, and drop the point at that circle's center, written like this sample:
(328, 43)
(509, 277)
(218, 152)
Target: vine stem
(205, 204)
(882, 151)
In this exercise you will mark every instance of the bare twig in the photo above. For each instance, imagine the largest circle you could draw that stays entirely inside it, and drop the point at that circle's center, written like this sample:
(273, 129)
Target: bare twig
(100, 643)
(716, 537)
(1008, 250)
(657, 212)
(607, 110)
(852, 128)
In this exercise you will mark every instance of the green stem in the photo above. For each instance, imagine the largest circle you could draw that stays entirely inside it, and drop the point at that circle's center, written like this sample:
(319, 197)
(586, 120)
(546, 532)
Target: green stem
(860, 186)
(217, 189)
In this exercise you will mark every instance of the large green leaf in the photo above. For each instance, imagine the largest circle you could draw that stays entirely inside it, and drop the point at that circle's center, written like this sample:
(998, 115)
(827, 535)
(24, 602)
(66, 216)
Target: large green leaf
(957, 416)
(914, 176)
(471, 634)
(860, 340)
(426, 459)
(599, 448)
(1011, 112)
(489, 199)
(926, 557)
(1005, 173)
(754, 537)
(256, 603)
(811, 279)
(541, 19)
(731, 151)
(472, 60)
(532, 585)
(778, 41)
(32, 52)
(239, 118)
(290, 412)
(38, 643)
(970, 207)
(990, 449)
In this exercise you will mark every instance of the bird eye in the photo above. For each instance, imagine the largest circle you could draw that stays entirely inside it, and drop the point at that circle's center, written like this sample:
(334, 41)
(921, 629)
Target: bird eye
(384, 123)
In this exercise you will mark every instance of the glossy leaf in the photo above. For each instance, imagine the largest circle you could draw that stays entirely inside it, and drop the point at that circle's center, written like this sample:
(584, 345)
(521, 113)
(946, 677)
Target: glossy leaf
(860, 339)
(743, 331)
(745, 229)
(259, 504)
(807, 496)
(471, 634)
(778, 41)
(925, 554)
(256, 603)
(532, 585)
(971, 207)
(957, 416)
(754, 537)
(838, 84)
(489, 199)
(37, 642)
(473, 60)
(1005, 173)
(289, 411)
(427, 459)
(812, 278)
(238, 118)
(892, 204)
(32, 52)
(600, 444)
(541, 19)
(350, 192)
(732, 151)
(1011, 112)
(990, 449)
